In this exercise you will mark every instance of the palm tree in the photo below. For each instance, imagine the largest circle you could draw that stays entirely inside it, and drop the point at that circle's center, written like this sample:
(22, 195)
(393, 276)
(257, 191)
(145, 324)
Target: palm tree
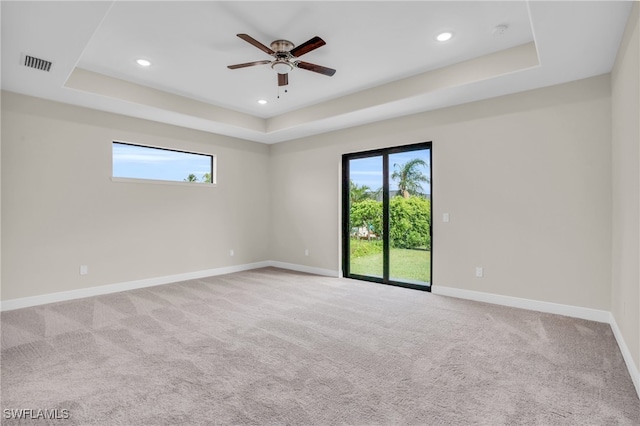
(191, 178)
(409, 177)
(358, 192)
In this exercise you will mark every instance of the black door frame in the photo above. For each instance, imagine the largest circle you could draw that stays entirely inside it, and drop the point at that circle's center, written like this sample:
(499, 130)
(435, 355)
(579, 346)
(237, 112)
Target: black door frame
(346, 229)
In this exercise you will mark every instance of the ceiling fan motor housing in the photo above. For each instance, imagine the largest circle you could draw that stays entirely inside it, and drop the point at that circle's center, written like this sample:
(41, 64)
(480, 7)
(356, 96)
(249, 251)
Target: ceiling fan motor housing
(279, 46)
(282, 64)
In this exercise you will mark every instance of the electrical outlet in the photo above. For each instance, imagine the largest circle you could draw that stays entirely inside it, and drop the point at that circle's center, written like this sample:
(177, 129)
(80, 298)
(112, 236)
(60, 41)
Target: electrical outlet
(445, 217)
(84, 269)
(232, 253)
(306, 252)
(479, 271)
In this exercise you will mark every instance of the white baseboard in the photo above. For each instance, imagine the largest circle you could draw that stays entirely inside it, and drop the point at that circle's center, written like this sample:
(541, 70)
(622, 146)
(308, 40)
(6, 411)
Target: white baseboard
(62, 296)
(626, 354)
(307, 269)
(532, 305)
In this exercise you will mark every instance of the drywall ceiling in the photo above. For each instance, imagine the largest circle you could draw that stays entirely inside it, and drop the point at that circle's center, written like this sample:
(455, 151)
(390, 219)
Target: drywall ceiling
(387, 59)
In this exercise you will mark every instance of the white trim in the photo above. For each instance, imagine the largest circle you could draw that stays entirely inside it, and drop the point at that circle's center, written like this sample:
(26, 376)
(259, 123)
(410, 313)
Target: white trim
(532, 305)
(307, 269)
(117, 179)
(626, 354)
(25, 302)
(62, 296)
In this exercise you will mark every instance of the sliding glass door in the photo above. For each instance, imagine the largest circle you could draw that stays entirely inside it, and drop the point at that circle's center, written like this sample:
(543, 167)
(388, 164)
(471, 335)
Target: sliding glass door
(386, 199)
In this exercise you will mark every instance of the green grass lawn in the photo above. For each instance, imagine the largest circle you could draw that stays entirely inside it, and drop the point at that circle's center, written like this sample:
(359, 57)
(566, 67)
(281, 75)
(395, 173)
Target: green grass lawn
(414, 265)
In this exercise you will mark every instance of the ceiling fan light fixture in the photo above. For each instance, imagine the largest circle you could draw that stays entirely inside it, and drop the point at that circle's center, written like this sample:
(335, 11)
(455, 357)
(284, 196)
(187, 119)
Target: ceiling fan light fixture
(444, 36)
(282, 67)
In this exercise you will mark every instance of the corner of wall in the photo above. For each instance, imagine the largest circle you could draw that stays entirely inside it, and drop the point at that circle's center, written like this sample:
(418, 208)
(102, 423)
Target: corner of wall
(625, 194)
(0, 196)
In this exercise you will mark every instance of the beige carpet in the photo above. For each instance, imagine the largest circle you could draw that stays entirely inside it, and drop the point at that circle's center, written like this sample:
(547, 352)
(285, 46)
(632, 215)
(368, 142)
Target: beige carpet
(276, 347)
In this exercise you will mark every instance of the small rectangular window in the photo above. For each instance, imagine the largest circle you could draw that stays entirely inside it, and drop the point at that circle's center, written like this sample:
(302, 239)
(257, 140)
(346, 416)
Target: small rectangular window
(150, 163)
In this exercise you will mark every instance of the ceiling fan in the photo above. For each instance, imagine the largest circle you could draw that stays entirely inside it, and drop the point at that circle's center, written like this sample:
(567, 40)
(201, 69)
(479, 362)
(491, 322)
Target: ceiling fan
(286, 57)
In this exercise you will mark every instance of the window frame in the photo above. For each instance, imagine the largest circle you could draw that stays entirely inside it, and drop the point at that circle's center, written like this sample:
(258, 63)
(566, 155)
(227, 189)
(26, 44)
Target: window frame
(345, 213)
(213, 164)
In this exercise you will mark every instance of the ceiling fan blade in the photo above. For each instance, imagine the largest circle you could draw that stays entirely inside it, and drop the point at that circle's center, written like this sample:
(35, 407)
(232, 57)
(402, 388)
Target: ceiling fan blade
(256, 43)
(283, 79)
(307, 46)
(316, 68)
(248, 64)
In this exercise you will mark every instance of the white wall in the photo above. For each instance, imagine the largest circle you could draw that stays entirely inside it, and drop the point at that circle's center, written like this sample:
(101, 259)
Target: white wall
(60, 208)
(526, 179)
(625, 80)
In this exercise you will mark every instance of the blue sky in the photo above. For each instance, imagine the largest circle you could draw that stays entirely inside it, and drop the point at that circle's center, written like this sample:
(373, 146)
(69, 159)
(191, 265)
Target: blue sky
(368, 171)
(132, 161)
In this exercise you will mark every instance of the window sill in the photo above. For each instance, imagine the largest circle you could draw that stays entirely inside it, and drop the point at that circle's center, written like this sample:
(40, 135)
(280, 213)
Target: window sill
(162, 182)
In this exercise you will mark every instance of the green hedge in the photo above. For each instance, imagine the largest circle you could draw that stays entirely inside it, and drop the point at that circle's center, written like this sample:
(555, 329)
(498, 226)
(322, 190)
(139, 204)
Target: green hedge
(367, 212)
(410, 220)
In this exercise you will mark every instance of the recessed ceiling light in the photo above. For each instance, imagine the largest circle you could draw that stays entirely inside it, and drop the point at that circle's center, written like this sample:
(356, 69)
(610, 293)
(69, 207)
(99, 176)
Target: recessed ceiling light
(262, 102)
(143, 62)
(444, 36)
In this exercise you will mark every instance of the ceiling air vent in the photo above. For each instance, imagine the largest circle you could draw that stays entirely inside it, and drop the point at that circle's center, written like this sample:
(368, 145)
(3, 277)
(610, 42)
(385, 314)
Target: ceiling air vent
(37, 63)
